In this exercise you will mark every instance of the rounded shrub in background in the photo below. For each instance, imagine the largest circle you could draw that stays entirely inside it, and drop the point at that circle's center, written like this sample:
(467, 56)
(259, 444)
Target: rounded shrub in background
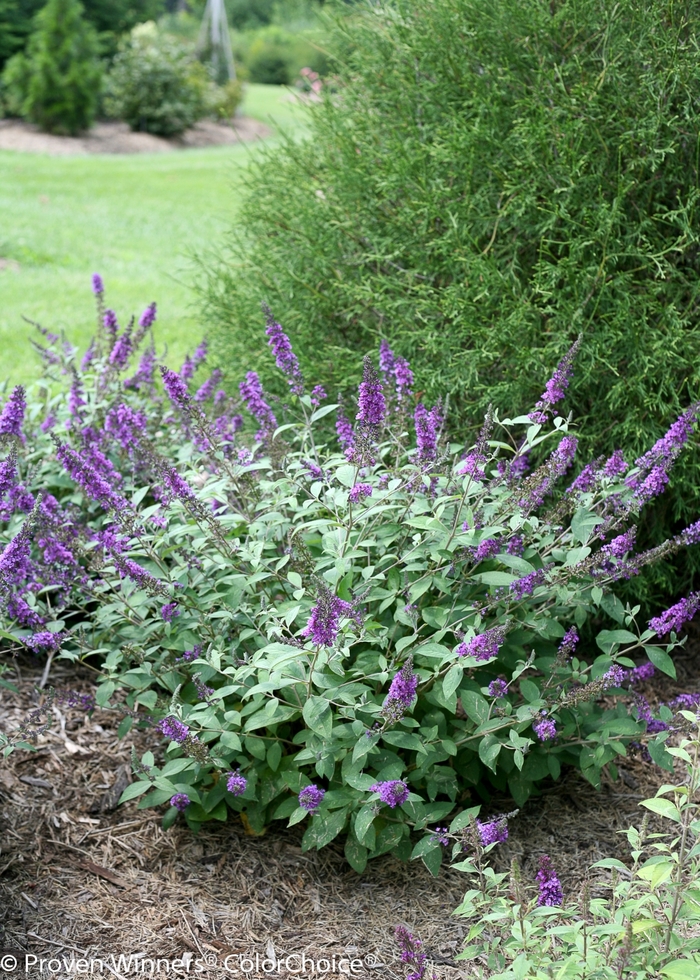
(56, 84)
(491, 178)
(156, 85)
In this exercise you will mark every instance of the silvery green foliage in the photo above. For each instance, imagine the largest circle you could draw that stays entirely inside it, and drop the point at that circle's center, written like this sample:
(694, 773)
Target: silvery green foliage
(637, 919)
(382, 625)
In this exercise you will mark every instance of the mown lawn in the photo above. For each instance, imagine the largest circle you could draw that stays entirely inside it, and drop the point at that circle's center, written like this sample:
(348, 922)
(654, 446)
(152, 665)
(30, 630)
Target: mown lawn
(136, 219)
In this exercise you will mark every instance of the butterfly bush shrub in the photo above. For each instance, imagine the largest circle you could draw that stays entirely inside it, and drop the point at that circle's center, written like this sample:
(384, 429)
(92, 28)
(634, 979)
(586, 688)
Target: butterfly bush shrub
(333, 613)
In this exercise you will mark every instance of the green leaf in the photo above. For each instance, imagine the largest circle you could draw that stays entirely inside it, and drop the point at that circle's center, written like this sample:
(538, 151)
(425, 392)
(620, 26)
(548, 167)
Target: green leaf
(452, 680)
(529, 690)
(323, 828)
(682, 969)
(495, 578)
(356, 854)
(133, 790)
(432, 860)
(664, 807)
(606, 639)
(661, 659)
(583, 524)
(363, 820)
(318, 716)
(274, 754)
(346, 475)
(658, 753)
(489, 748)
(475, 705)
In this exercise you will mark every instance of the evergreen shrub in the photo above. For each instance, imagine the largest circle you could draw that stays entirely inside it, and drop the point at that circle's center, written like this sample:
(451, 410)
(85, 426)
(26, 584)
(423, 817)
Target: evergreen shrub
(57, 83)
(156, 84)
(364, 627)
(492, 178)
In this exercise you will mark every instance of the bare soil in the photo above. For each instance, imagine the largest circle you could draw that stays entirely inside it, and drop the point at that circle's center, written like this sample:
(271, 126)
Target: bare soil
(116, 137)
(81, 877)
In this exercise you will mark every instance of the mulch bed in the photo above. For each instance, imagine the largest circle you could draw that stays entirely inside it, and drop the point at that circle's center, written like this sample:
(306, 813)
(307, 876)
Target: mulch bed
(81, 877)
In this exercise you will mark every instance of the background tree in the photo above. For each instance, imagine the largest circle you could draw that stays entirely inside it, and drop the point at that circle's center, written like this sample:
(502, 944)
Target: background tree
(493, 178)
(57, 83)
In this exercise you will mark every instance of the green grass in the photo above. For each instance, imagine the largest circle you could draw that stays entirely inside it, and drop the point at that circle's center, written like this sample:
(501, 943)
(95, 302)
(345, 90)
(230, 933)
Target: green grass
(136, 219)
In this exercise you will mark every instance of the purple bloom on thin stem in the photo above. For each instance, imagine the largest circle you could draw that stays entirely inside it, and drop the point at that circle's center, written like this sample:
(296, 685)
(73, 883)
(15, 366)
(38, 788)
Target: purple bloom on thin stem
(676, 616)
(402, 692)
(12, 415)
(404, 378)
(551, 892)
(187, 370)
(322, 627)
(45, 641)
(371, 403)
(620, 545)
(200, 354)
(88, 356)
(144, 372)
(175, 387)
(344, 431)
(148, 317)
(483, 647)
(392, 792)
(318, 394)
(97, 285)
(427, 430)
(311, 797)
(568, 643)
(498, 688)
(87, 477)
(545, 729)
(252, 394)
(441, 835)
(411, 953)
(487, 549)
(359, 492)
(555, 388)
(235, 783)
(642, 673)
(126, 425)
(180, 801)
(122, 350)
(516, 545)
(110, 323)
(492, 832)
(386, 360)
(526, 585)
(169, 611)
(285, 358)
(615, 465)
(174, 729)
(205, 392)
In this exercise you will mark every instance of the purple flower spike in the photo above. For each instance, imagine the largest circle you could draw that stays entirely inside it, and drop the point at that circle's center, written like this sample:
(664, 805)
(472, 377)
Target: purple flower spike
(252, 394)
(174, 729)
(180, 801)
(676, 617)
(176, 387)
(386, 360)
(483, 647)
(200, 354)
(45, 641)
(360, 491)
(311, 798)
(12, 415)
(236, 784)
(404, 378)
(169, 611)
(493, 832)
(555, 388)
(97, 285)
(324, 621)
(285, 358)
(371, 404)
(551, 892)
(545, 730)
(344, 430)
(126, 425)
(402, 692)
(392, 792)
(205, 392)
(148, 317)
(427, 430)
(110, 323)
(498, 688)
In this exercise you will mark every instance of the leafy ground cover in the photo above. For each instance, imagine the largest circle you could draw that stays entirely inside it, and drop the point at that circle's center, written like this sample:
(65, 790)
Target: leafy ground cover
(134, 217)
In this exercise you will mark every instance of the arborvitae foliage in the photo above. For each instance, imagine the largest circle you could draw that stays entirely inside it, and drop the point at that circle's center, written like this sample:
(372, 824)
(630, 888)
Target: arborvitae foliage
(15, 25)
(63, 74)
(489, 179)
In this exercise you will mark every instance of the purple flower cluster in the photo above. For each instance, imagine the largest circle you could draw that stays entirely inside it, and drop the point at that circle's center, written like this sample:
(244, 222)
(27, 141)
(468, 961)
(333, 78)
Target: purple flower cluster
(344, 431)
(653, 466)
(555, 388)
(81, 470)
(551, 892)
(526, 585)
(12, 415)
(176, 387)
(322, 627)
(498, 688)
(487, 549)
(359, 492)
(411, 953)
(392, 792)
(97, 284)
(174, 729)
(402, 692)
(568, 644)
(427, 432)
(180, 801)
(45, 641)
(371, 404)
(545, 729)
(516, 545)
(126, 425)
(110, 323)
(205, 391)
(285, 357)
(252, 395)
(169, 611)
(615, 466)
(677, 616)
(483, 647)
(311, 797)
(148, 317)
(122, 350)
(235, 783)
(493, 832)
